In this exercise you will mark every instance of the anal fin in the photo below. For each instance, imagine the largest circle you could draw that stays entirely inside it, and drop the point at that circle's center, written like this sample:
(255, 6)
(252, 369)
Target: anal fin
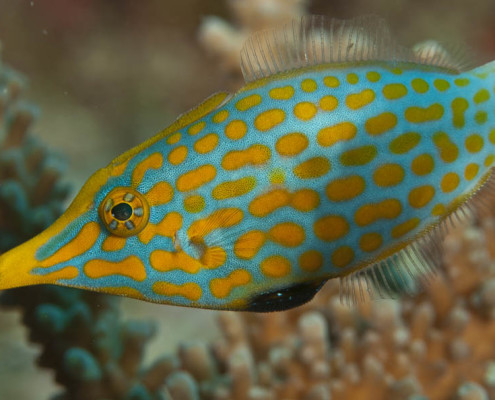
(413, 267)
(404, 272)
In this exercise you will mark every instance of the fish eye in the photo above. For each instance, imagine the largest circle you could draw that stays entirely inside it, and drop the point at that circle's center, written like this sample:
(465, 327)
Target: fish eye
(124, 212)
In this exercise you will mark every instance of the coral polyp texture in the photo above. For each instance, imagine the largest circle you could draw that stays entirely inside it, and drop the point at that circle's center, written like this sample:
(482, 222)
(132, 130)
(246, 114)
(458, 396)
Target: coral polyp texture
(437, 345)
(95, 354)
(31, 194)
(224, 40)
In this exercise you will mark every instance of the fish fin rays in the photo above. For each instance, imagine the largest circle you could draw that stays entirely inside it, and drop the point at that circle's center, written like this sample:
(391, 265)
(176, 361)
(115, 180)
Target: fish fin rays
(316, 40)
(443, 55)
(405, 272)
(411, 269)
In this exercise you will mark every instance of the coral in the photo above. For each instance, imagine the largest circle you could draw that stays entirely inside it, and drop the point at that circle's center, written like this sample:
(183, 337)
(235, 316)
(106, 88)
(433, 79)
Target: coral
(433, 346)
(95, 354)
(31, 193)
(224, 40)
(437, 345)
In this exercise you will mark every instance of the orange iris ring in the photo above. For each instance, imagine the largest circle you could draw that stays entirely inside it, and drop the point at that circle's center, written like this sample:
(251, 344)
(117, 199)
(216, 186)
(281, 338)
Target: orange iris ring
(136, 221)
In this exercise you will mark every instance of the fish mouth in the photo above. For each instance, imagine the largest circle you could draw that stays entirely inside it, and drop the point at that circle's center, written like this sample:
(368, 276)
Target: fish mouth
(18, 266)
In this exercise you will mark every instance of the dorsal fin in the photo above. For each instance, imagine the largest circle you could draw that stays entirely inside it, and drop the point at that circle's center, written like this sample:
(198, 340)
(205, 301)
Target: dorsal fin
(453, 57)
(314, 40)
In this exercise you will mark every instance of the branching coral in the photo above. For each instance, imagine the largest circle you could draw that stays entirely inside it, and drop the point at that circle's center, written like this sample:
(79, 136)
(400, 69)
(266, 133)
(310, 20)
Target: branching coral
(438, 345)
(31, 194)
(224, 40)
(96, 355)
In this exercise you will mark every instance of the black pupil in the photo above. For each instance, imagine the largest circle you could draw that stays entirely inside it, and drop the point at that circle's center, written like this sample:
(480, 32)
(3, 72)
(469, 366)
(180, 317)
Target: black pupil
(122, 211)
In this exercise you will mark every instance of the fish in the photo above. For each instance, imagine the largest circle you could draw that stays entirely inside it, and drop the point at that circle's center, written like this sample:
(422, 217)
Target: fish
(345, 155)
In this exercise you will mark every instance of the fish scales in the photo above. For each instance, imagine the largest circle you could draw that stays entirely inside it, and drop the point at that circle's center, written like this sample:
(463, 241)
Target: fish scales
(299, 177)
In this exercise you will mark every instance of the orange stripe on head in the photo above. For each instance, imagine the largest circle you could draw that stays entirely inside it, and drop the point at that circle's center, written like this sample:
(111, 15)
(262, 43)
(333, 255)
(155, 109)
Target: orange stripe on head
(84, 240)
(164, 261)
(153, 161)
(119, 169)
(64, 273)
(159, 194)
(113, 243)
(131, 267)
(168, 226)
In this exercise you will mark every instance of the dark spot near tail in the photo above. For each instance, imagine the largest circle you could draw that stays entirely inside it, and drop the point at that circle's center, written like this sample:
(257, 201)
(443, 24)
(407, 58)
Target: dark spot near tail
(285, 298)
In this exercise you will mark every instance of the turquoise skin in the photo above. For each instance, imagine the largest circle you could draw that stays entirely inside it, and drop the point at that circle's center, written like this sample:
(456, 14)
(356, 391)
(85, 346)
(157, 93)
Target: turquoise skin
(346, 169)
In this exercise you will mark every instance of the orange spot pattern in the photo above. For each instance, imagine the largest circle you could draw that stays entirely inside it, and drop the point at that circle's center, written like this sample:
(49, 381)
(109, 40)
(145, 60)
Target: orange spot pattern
(84, 240)
(159, 194)
(196, 178)
(206, 144)
(332, 134)
(132, 267)
(328, 228)
(311, 261)
(230, 189)
(221, 287)
(275, 267)
(342, 189)
(291, 144)
(257, 154)
(331, 227)
(248, 244)
(312, 168)
(177, 155)
(287, 234)
(303, 200)
(369, 213)
(113, 243)
(269, 119)
(167, 227)
(194, 203)
(191, 291)
(68, 272)
(165, 261)
(153, 161)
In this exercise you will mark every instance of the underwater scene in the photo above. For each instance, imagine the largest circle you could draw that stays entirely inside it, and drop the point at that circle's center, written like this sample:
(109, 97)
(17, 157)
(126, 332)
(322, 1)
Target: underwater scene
(264, 297)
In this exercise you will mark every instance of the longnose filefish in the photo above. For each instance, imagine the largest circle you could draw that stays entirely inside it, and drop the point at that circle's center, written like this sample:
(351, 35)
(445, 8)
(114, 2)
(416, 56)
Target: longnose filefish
(343, 156)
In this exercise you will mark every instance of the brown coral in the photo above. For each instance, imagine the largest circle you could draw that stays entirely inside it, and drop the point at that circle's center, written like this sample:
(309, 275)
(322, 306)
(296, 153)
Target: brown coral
(225, 40)
(438, 345)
